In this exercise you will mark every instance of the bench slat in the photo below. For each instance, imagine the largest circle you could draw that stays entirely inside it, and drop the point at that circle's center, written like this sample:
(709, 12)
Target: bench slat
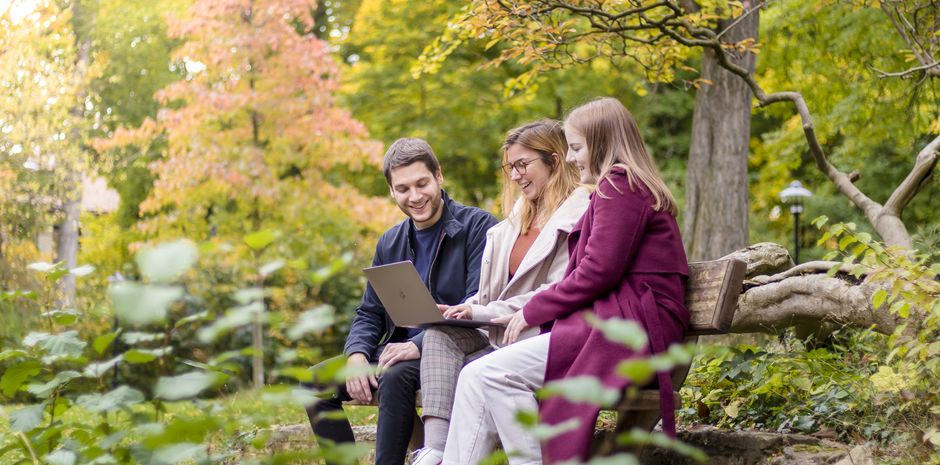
(712, 295)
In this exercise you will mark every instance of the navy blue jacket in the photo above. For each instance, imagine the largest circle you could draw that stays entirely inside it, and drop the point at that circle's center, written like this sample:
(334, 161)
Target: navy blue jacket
(454, 275)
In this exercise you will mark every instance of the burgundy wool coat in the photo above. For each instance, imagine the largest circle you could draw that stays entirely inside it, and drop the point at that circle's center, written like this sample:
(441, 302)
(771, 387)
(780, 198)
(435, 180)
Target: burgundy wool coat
(626, 261)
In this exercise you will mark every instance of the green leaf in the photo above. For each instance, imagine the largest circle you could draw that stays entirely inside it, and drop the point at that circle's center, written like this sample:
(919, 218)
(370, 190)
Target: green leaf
(234, 318)
(27, 418)
(43, 390)
(802, 383)
(163, 263)
(187, 385)
(579, 389)
(261, 239)
(135, 337)
(249, 294)
(639, 371)
(820, 221)
(12, 353)
(196, 317)
(864, 238)
(83, 270)
(733, 409)
(98, 369)
(182, 452)
(312, 321)
(845, 242)
(119, 398)
(145, 355)
(63, 317)
(271, 267)
(61, 457)
(14, 376)
(626, 332)
(137, 305)
(878, 298)
(101, 343)
(66, 344)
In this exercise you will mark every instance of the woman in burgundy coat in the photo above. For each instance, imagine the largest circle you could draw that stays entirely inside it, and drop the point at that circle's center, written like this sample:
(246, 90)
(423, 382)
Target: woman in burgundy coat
(627, 261)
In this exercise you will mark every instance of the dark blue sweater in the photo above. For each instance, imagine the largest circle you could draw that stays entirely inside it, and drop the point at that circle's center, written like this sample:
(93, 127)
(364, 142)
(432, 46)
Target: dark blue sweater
(454, 274)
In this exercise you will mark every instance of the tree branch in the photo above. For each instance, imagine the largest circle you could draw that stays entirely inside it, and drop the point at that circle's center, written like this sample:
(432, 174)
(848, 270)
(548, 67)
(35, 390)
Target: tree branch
(923, 167)
(930, 69)
(805, 301)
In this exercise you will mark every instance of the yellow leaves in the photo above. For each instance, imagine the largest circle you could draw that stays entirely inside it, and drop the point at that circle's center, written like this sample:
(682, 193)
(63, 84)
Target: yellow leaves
(887, 380)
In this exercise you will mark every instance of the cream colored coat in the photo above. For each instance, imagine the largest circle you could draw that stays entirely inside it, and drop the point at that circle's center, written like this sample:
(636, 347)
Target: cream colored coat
(542, 265)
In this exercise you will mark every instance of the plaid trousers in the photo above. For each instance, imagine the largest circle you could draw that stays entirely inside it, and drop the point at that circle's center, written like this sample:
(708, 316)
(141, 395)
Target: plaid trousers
(446, 349)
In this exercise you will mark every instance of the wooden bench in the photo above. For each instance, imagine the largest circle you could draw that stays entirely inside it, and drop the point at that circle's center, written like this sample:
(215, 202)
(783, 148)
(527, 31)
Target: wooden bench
(711, 297)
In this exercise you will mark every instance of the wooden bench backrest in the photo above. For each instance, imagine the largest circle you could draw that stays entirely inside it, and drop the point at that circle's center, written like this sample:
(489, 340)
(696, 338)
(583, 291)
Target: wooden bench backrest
(712, 295)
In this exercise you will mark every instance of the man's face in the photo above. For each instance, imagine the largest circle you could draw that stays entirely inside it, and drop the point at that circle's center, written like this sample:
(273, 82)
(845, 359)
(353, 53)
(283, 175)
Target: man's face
(417, 191)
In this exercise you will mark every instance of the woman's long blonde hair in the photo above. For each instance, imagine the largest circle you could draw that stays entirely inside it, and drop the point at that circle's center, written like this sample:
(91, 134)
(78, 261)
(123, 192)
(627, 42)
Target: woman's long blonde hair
(547, 138)
(613, 139)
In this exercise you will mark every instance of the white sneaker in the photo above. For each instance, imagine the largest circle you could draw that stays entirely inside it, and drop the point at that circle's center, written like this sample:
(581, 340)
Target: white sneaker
(427, 456)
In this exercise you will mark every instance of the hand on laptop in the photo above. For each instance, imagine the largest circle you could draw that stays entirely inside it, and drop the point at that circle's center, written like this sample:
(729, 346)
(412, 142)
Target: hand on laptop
(460, 312)
(398, 352)
(360, 387)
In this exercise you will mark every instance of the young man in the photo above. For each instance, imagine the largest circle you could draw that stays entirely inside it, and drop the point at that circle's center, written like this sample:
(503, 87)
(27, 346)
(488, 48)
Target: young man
(444, 240)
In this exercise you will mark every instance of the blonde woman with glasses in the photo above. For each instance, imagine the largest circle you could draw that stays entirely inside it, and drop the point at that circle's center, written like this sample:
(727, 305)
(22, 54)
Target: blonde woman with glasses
(523, 255)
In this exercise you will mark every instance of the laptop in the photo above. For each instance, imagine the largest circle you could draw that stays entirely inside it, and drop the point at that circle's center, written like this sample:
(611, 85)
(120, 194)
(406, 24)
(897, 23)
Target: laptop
(407, 301)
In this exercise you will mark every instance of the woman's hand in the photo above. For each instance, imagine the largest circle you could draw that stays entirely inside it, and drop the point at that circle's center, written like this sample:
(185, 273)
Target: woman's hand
(460, 312)
(515, 325)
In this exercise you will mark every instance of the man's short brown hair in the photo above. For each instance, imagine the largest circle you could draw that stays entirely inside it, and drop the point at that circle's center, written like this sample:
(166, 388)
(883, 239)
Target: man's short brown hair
(406, 151)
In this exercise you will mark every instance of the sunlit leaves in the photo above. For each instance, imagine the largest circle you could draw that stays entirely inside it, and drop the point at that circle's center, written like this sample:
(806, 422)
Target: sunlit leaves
(312, 321)
(186, 385)
(163, 263)
(140, 304)
(26, 418)
(121, 397)
(15, 375)
(581, 389)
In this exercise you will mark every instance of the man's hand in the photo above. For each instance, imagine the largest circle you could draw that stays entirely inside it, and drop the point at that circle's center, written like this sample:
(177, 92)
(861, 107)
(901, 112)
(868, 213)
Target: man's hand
(515, 325)
(398, 352)
(460, 312)
(360, 387)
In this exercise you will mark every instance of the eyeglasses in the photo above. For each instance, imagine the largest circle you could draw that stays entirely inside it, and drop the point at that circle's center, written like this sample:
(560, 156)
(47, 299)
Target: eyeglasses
(520, 166)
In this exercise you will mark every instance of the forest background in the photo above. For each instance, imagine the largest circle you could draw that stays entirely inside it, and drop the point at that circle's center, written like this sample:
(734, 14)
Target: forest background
(256, 130)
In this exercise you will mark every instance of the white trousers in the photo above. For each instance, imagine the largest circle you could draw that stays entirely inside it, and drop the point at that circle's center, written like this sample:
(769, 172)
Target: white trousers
(490, 391)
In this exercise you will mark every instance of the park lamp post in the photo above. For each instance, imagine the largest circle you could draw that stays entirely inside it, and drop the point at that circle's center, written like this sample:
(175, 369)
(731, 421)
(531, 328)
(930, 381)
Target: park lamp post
(793, 196)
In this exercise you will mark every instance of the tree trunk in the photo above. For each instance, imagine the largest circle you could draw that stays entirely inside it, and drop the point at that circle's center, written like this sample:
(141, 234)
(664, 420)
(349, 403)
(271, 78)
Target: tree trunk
(716, 210)
(67, 247)
(67, 250)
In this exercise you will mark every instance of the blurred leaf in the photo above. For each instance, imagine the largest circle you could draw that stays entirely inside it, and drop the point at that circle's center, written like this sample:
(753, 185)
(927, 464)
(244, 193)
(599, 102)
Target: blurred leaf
(61, 457)
(616, 459)
(578, 389)
(187, 385)
(312, 321)
(196, 317)
(878, 298)
(66, 344)
(626, 332)
(271, 267)
(119, 398)
(260, 239)
(14, 376)
(234, 318)
(163, 263)
(732, 409)
(136, 304)
(27, 418)
(246, 295)
(98, 369)
(83, 270)
(63, 317)
(12, 353)
(102, 342)
(135, 337)
(43, 390)
(176, 453)
(12, 295)
(639, 371)
(137, 356)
